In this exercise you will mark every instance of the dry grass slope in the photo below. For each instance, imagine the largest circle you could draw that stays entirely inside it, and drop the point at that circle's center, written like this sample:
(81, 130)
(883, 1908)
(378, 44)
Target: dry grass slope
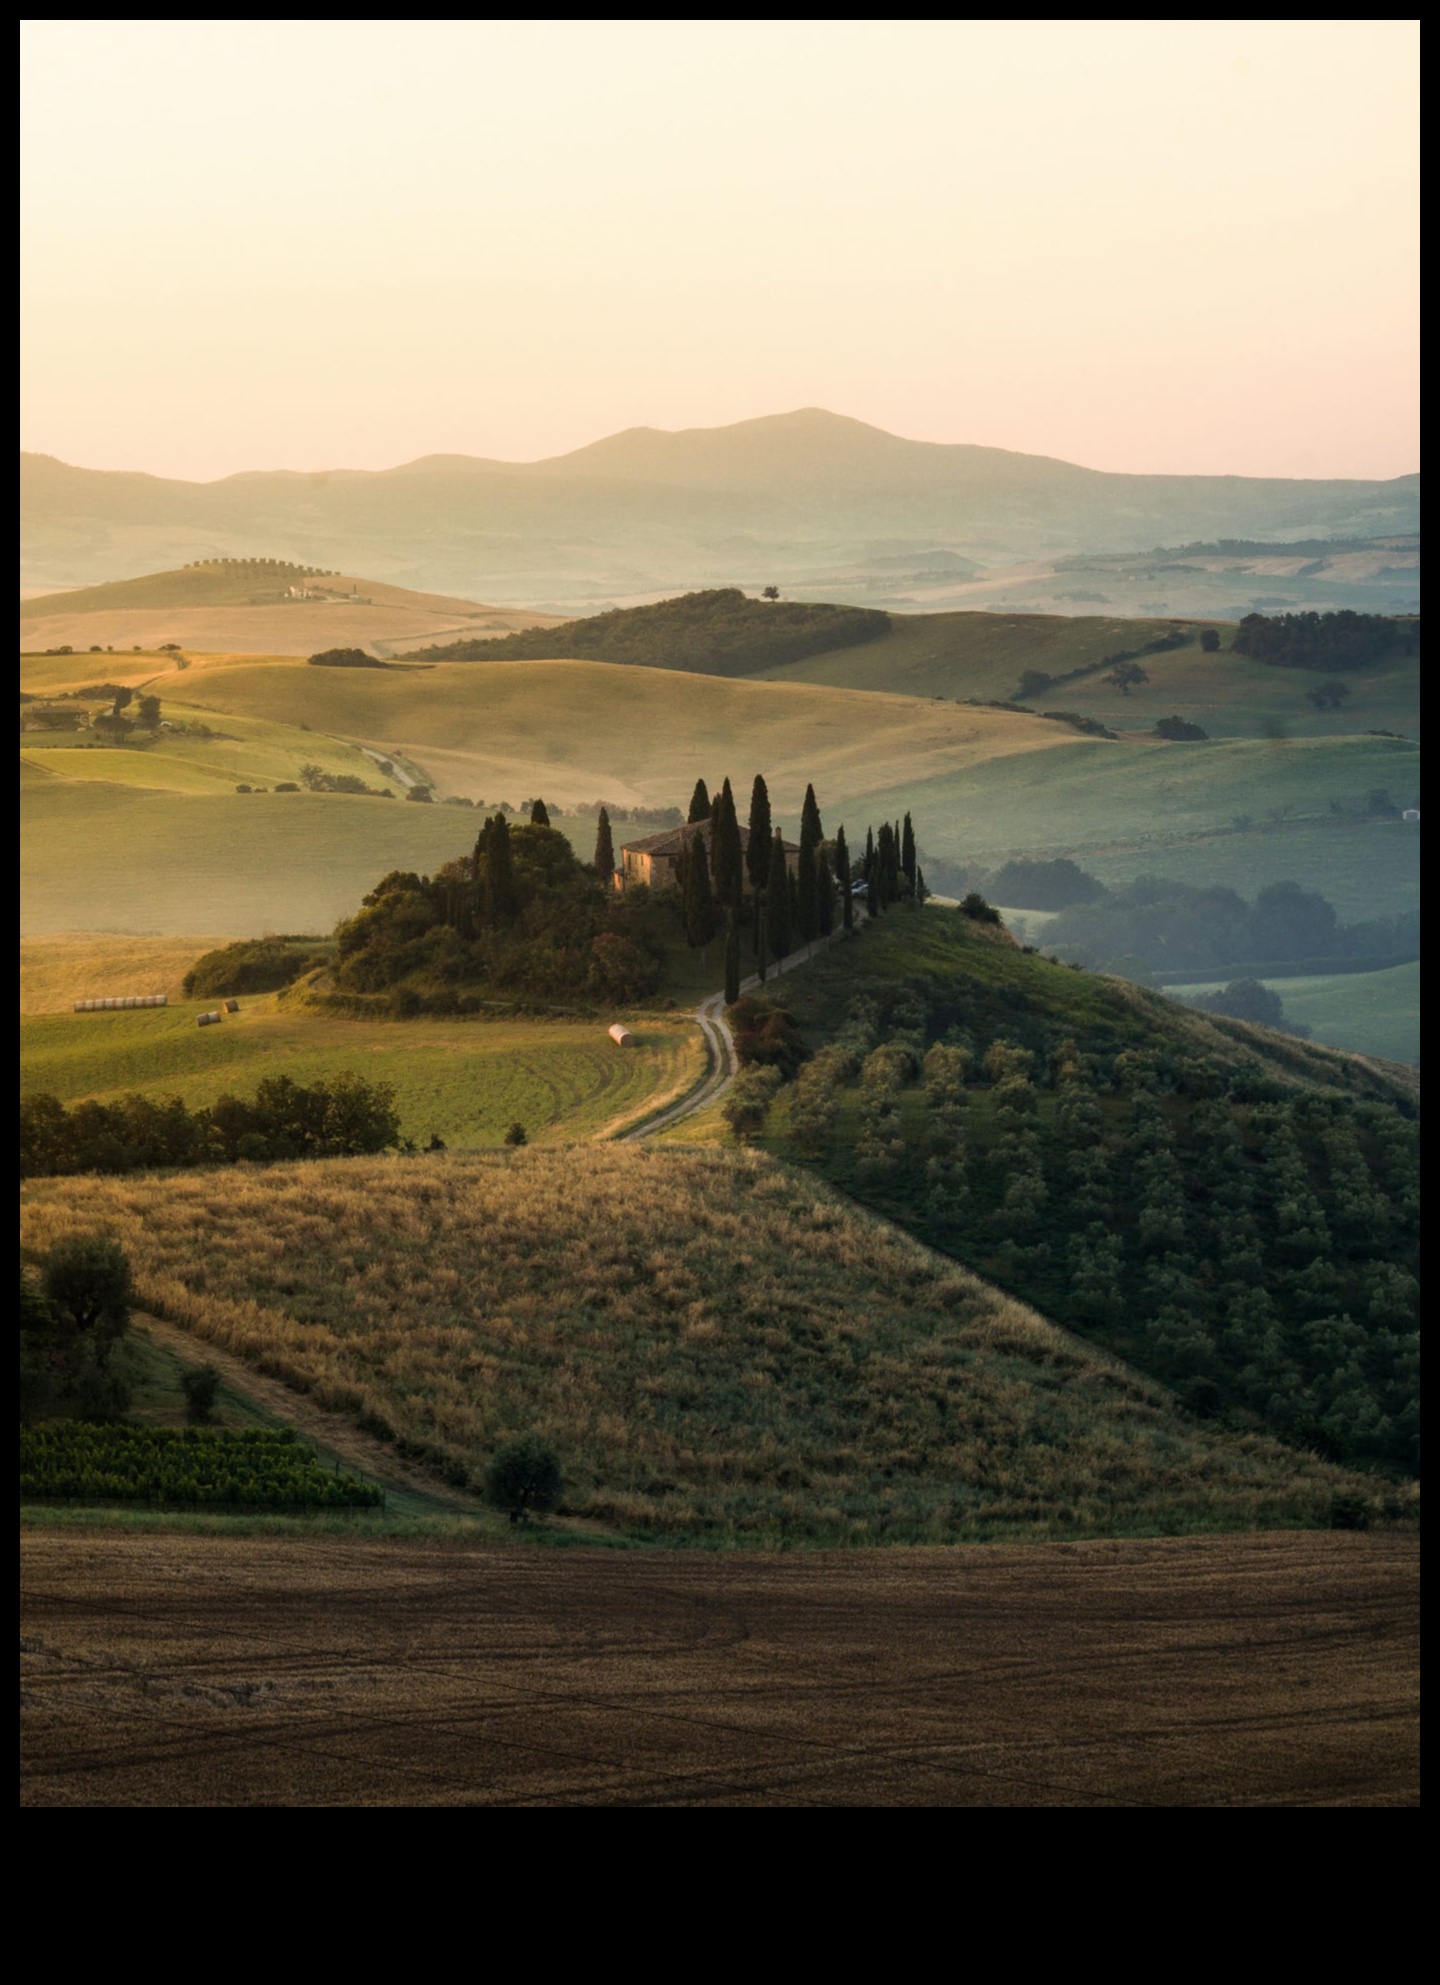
(718, 1349)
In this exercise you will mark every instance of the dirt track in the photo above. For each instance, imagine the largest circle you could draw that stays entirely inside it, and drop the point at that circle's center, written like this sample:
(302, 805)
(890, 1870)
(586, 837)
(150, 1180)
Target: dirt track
(182, 1670)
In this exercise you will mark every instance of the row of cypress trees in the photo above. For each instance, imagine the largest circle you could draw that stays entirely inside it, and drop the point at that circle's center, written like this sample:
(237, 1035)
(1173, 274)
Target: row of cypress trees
(738, 886)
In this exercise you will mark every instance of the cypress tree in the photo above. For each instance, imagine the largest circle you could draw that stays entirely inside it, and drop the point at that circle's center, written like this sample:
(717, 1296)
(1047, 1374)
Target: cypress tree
(842, 873)
(777, 901)
(699, 902)
(499, 897)
(604, 849)
(757, 854)
(881, 892)
(732, 957)
(699, 803)
(539, 815)
(810, 819)
(907, 855)
(825, 892)
(807, 891)
(727, 865)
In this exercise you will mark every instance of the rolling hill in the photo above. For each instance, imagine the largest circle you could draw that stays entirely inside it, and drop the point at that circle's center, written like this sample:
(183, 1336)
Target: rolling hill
(801, 499)
(244, 604)
(982, 785)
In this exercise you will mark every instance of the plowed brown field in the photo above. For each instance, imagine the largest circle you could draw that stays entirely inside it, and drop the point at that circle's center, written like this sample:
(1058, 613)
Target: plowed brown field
(176, 1670)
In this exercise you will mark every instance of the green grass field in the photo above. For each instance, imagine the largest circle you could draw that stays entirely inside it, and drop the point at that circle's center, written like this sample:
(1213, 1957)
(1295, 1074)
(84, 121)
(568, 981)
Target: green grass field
(984, 654)
(1172, 810)
(1372, 1013)
(974, 654)
(247, 749)
(466, 1081)
(103, 857)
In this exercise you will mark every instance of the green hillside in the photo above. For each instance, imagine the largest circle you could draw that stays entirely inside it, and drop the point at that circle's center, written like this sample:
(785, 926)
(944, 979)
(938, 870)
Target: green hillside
(227, 864)
(713, 633)
(986, 654)
(717, 1352)
(1242, 814)
(1234, 1211)
(979, 654)
(983, 785)
(1371, 1013)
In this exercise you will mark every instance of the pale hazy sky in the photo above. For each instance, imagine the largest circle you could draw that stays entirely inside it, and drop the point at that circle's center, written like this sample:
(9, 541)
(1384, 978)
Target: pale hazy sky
(1183, 246)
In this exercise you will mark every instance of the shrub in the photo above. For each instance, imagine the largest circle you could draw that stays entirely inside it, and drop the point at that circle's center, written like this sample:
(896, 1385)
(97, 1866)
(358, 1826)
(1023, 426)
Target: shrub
(748, 1100)
(201, 1386)
(523, 1479)
(88, 1284)
(978, 910)
(517, 1135)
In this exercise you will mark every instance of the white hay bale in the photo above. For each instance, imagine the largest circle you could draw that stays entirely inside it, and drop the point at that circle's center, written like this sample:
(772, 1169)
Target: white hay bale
(622, 1037)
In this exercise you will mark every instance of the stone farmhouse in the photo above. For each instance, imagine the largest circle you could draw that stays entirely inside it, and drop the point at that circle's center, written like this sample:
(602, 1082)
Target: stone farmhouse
(654, 860)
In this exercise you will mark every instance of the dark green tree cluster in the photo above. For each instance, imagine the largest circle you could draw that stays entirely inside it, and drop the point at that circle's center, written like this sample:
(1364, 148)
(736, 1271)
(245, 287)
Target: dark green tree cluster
(73, 1319)
(520, 915)
(1044, 885)
(1341, 640)
(1259, 1256)
(345, 1117)
(720, 632)
(254, 965)
(345, 658)
(890, 868)
(1166, 926)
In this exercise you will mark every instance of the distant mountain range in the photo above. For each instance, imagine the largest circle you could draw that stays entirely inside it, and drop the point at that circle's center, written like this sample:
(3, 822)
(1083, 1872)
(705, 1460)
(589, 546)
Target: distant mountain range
(812, 501)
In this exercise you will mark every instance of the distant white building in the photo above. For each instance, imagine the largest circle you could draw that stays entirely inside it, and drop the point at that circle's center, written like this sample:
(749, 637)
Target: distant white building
(1411, 813)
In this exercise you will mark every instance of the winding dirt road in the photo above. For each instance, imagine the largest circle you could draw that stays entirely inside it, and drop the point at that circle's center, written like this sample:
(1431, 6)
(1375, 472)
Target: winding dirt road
(721, 1066)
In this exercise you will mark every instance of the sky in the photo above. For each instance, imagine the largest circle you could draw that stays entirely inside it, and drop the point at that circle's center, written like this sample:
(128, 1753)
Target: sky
(1171, 246)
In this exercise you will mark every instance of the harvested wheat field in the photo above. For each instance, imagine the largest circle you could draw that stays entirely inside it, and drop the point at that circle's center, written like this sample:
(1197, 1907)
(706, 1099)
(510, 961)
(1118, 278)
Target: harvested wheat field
(180, 1670)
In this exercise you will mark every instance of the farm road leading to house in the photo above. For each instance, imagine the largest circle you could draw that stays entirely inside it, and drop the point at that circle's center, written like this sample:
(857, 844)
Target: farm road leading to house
(181, 1670)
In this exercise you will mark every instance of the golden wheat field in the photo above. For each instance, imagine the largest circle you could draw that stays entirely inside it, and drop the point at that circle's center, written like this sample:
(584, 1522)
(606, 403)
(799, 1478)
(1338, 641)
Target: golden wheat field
(717, 1348)
(1259, 1671)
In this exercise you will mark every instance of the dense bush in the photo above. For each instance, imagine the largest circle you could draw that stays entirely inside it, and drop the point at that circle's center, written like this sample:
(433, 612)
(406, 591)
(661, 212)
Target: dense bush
(521, 915)
(71, 1325)
(523, 1479)
(766, 1036)
(1248, 999)
(1343, 640)
(258, 1469)
(1040, 885)
(717, 633)
(1174, 926)
(345, 658)
(254, 965)
(345, 1117)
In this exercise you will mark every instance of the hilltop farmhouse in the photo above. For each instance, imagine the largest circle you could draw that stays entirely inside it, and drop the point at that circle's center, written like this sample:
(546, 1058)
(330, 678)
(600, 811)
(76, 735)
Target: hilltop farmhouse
(654, 860)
